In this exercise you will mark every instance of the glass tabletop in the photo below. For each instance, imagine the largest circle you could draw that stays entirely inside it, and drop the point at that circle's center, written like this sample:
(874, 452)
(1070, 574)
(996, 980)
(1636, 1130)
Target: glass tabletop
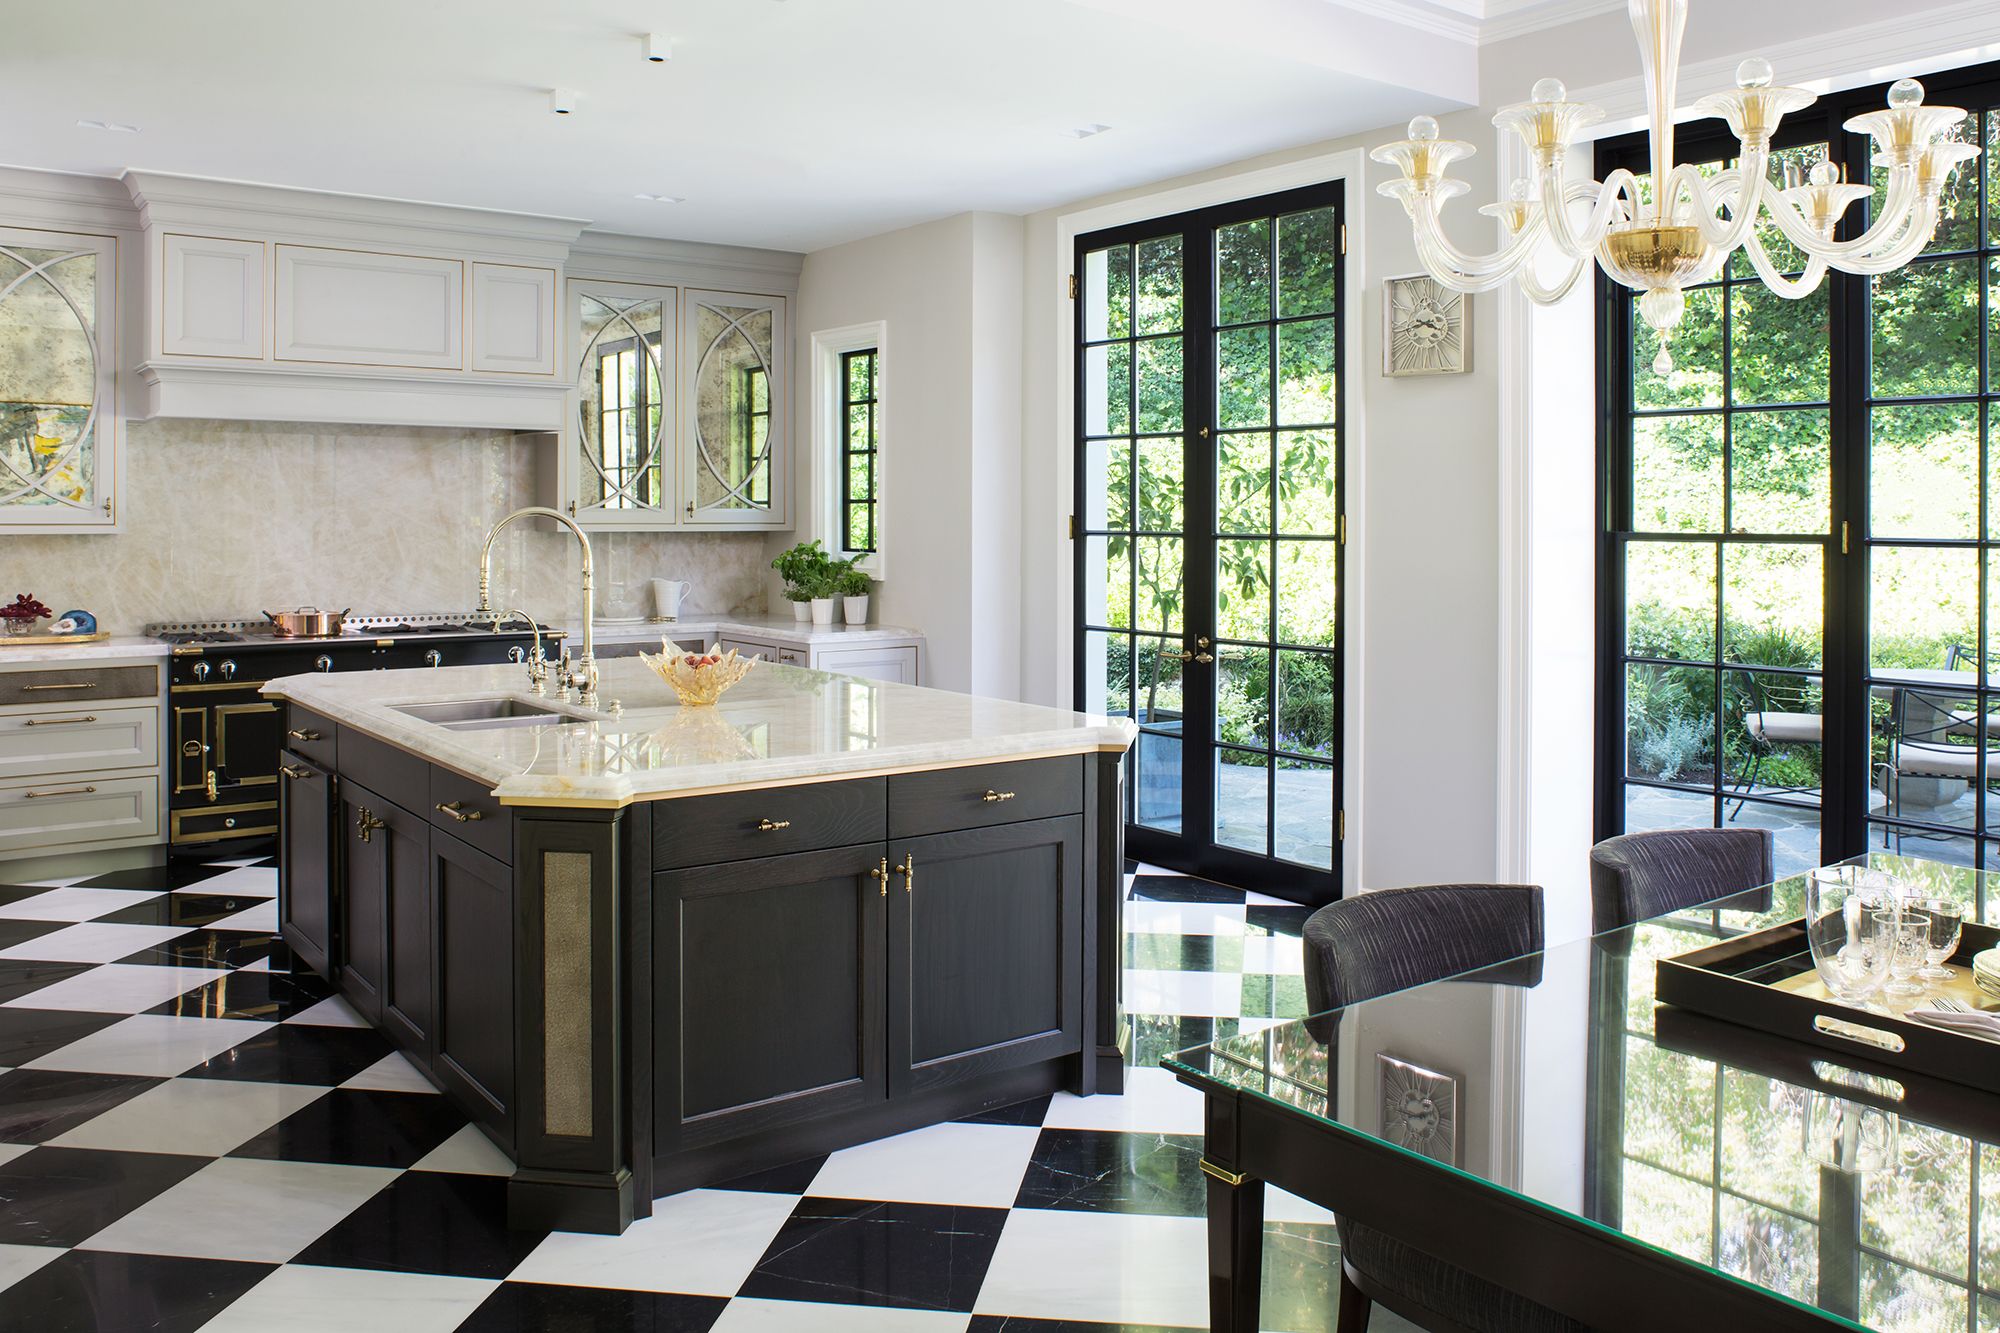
(1874, 1199)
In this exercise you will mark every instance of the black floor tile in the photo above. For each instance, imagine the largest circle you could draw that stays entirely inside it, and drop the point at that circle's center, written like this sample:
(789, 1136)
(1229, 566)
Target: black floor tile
(25, 976)
(791, 1178)
(1178, 889)
(1029, 1112)
(183, 909)
(91, 1292)
(1013, 1323)
(360, 1128)
(1276, 920)
(912, 1256)
(298, 1053)
(211, 948)
(20, 932)
(28, 1034)
(1106, 1171)
(64, 1196)
(38, 1104)
(429, 1222)
(530, 1307)
(266, 995)
(14, 893)
(172, 875)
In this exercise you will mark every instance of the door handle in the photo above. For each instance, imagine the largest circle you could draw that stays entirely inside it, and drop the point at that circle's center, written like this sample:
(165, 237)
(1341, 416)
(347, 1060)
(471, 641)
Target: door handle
(303, 735)
(72, 685)
(997, 796)
(880, 874)
(368, 823)
(208, 783)
(289, 770)
(57, 721)
(772, 825)
(908, 870)
(63, 791)
(456, 811)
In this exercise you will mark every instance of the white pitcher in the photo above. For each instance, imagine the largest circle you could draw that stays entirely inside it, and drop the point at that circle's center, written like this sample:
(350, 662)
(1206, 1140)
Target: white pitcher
(667, 594)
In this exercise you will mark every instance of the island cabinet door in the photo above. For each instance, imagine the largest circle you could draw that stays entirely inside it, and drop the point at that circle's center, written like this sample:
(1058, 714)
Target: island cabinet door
(396, 851)
(306, 862)
(363, 898)
(472, 898)
(768, 978)
(985, 951)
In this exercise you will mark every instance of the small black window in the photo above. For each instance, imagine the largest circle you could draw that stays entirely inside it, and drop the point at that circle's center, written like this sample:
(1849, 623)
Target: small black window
(861, 443)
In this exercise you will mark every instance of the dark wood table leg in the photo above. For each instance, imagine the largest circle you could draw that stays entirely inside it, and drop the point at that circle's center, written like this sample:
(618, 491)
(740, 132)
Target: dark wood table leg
(1235, 1249)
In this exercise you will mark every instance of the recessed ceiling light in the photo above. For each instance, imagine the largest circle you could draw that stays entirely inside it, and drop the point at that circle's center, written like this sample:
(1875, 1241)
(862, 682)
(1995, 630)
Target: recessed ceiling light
(1086, 131)
(659, 49)
(662, 198)
(562, 101)
(114, 126)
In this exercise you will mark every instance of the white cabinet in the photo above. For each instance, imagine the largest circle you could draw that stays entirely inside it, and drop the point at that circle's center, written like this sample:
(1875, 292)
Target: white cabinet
(363, 308)
(213, 297)
(896, 664)
(514, 319)
(735, 410)
(80, 756)
(59, 351)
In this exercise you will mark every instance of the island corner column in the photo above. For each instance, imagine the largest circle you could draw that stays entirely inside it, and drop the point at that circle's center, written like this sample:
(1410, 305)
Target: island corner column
(583, 1035)
(1106, 1033)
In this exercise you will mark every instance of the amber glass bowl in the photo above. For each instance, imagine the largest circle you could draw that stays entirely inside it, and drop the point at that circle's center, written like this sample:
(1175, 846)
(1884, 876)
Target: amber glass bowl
(698, 678)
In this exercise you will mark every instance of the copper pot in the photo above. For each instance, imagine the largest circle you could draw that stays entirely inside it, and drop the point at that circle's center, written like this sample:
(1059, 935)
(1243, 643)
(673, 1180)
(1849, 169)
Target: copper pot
(308, 622)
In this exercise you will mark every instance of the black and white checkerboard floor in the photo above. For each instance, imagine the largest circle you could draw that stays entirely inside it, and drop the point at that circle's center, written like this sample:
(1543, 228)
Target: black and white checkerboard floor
(191, 1137)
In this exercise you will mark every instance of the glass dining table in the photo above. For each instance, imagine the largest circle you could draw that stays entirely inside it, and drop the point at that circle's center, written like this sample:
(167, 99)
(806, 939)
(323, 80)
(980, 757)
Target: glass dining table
(1544, 1125)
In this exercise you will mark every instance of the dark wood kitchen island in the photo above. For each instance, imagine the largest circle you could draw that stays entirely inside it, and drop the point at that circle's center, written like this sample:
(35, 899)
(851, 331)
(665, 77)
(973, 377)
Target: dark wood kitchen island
(661, 947)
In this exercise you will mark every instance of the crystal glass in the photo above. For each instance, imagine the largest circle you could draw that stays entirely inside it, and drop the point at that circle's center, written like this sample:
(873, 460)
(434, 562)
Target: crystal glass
(1946, 920)
(1850, 946)
(1848, 1135)
(1909, 941)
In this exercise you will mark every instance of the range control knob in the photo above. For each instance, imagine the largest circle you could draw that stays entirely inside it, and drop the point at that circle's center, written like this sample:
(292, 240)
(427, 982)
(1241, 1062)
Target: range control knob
(322, 663)
(433, 658)
(517, 654)
(228, 670)
(200, 671)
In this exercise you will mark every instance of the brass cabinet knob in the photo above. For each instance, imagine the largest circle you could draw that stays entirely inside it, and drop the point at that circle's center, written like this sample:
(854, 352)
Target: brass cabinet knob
(998, 796)
(772, 825)
(457, 811)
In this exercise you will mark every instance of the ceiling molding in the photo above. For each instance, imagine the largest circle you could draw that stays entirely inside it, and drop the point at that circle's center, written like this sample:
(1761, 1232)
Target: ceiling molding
(1517, 18)
(1481, 22)
(1421, 18)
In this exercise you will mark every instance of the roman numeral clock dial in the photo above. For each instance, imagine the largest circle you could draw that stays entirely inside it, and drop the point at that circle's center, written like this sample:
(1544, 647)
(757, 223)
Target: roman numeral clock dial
(1425, 330)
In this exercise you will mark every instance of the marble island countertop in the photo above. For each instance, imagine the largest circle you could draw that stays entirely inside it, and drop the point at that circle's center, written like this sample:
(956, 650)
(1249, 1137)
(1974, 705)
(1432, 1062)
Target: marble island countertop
(781, 725)
(696, 625)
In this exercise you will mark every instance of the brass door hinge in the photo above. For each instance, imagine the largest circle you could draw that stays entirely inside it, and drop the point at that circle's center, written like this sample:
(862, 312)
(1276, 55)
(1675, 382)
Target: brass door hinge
(1340, 529)
(1075, 527)
(1340, 825)
(1072, 286)
(1343, 238)
(1843, 536)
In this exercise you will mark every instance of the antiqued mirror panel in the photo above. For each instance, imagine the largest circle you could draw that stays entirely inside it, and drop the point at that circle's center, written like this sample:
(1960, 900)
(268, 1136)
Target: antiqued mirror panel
(622, 416)
(735, 373)
(50, 379)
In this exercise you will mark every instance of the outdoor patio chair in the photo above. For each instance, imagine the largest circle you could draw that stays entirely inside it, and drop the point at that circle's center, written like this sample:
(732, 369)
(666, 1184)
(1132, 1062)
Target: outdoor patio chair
(1925, 743)
(1782, 717)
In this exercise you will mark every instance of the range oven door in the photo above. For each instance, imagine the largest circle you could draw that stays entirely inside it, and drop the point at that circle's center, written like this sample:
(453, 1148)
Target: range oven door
(225, 763)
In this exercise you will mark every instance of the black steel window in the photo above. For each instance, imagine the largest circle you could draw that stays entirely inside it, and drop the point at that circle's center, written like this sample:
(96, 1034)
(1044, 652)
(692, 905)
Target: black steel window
(860, 449)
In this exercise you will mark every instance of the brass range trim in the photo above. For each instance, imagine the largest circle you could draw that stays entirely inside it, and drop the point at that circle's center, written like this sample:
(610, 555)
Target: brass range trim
(213, 686)
(223, 835)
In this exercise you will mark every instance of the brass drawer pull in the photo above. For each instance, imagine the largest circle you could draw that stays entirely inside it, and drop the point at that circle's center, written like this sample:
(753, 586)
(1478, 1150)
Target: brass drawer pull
(303, 735)
(881, 873)
(289, 770)
(71, 685)
(57, 721)
(772, 825)
(456, 811)
(998, 796)
(60, 791)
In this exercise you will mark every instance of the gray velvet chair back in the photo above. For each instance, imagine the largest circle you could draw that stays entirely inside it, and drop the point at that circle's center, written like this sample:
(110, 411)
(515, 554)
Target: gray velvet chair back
(1638, 876)
(1392, 939)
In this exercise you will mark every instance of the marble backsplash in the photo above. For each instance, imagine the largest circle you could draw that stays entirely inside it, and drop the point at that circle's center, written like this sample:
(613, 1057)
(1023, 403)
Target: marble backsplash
(225, 519)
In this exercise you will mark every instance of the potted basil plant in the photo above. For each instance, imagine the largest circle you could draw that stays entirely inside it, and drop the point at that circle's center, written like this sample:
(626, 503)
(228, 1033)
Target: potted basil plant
(854, 586)
(803, 568)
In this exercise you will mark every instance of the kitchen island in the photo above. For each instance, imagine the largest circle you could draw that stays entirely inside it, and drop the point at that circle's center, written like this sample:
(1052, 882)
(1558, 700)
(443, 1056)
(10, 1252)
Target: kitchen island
(649, 947)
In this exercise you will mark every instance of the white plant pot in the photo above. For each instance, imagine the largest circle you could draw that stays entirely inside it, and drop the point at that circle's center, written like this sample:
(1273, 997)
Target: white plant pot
(855, 609)
(822, 610)
(802, 611)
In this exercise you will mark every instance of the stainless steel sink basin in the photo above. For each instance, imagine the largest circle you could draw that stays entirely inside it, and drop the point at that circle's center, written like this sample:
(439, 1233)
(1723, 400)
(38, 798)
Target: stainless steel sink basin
(491, 711)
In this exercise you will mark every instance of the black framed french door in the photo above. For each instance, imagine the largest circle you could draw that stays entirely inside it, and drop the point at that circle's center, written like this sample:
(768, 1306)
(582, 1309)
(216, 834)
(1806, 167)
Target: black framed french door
(1208, 564)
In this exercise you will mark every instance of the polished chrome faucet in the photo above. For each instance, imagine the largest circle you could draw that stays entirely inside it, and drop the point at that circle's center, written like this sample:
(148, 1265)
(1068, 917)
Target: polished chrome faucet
(580, 675)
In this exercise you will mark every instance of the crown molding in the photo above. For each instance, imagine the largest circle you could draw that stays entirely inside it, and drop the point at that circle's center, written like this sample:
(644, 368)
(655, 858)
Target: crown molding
(1506, 19)
(1417, 17)
(625, 258)
(1481, 22)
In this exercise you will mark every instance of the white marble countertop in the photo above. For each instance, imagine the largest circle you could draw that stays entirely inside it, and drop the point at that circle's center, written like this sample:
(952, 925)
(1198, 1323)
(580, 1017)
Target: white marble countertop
(118, 645)
(780, 725)
(707, 627)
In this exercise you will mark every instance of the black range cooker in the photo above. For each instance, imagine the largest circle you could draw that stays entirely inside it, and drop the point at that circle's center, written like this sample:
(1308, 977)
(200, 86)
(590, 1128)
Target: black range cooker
(225, 735)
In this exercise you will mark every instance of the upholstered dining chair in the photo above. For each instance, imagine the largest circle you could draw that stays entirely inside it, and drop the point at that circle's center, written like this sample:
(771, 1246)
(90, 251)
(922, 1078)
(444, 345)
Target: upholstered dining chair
(1390, 940)
(1637, 876)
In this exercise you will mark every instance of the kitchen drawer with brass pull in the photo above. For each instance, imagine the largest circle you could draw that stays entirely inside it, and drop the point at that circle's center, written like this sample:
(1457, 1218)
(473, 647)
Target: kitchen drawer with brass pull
(306, 734)
(64, 791)
(310, 735)
(947, 799)
(57, 742)
(65, 816)
(472, 813)
(289, 770)
(93, 683)
(730, 826)
(459, 813)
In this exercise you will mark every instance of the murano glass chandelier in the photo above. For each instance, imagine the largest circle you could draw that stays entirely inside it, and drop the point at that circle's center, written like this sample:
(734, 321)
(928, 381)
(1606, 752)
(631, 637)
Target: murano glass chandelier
(1680, 231)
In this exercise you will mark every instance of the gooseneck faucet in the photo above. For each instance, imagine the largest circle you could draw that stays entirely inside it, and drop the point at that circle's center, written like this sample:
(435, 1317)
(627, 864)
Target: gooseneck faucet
(580, 675)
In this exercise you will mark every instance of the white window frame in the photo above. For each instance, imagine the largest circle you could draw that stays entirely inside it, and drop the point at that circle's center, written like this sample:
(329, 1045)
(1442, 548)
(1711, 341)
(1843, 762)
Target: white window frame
(829, 434)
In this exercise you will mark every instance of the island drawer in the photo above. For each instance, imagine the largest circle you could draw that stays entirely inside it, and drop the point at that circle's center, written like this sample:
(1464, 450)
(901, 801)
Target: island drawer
(947, 799)
(61, 688)
(734, 826)
(470, 812)
(309, 735)
(397, 774)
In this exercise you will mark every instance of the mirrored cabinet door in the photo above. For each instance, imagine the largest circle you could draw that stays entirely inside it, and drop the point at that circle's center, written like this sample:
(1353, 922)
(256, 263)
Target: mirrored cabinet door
(58, 356)
(621, 443)
(736, 405)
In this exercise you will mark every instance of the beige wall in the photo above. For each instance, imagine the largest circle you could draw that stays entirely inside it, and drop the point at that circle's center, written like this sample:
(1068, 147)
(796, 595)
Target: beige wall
(224, 519)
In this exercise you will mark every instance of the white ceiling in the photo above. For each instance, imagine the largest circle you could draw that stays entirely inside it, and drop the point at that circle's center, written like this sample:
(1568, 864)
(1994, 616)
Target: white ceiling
(792, 124)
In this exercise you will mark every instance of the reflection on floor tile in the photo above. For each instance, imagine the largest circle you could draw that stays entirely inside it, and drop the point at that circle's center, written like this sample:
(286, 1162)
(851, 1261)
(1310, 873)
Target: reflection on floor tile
(913, 1256)
(64, 1196)
(85, 1290)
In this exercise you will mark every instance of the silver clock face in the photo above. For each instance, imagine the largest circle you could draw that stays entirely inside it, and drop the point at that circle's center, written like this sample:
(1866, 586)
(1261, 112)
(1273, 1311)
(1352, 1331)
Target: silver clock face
(1426, 328)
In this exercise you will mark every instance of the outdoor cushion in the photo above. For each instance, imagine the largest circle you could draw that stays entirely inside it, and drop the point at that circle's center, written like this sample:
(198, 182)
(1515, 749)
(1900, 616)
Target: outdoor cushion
(1785, 728)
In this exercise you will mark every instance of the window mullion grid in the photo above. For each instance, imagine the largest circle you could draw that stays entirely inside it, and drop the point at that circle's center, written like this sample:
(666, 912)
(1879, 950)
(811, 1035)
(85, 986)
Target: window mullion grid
(1271, 656)
(1727, 301)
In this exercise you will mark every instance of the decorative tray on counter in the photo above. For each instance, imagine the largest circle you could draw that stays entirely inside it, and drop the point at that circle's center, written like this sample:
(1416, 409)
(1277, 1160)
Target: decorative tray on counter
(44, 640)
(1767, 981)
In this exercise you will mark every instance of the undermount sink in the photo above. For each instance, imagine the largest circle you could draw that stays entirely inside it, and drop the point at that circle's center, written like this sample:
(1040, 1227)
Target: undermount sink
(492, 711)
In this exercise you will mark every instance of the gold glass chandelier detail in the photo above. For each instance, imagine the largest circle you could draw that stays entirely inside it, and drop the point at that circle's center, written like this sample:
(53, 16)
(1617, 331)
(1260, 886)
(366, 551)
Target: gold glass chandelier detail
(1683, 230)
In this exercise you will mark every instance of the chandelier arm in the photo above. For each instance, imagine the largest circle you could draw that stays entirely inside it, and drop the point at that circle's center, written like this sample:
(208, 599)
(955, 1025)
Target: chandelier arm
(1900, 208)
(1438, 261)
(1791, 289)
(1532, 286)
(1557, 196)
(1740, 189)
(1922, 226)
(1489, 271)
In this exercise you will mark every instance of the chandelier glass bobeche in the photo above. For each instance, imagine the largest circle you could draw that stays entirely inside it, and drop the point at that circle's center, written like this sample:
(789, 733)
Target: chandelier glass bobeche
(1680, 233)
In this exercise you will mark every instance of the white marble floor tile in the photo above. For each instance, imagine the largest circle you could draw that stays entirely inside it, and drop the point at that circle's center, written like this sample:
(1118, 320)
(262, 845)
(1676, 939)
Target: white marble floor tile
(17, 1261)
(1281, 954)
(1154, 1102)
(118, 988)
(264, 917)
(67, 904)
(9, 1151)
(976, 1165)
(260, 965)
(392, 1073)
(1108, 1267)
(332, 1012)
(1151, 918)
(300, 1298)
(757, 1316)
(203, 1116)
(1253, 898)
(702, 1242)
(1190, 994)
(157, 1044)
(238, 860)
(1145, 869)
(256, 881)
(240, 1208)
(93, 942)
(466, 1153)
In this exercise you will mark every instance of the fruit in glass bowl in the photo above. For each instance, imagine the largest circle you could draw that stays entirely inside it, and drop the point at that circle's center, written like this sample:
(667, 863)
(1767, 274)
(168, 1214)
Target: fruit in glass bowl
(698, 678)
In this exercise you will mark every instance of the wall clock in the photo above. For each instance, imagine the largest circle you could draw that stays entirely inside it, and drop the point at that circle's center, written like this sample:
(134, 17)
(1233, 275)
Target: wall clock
(1426, 328)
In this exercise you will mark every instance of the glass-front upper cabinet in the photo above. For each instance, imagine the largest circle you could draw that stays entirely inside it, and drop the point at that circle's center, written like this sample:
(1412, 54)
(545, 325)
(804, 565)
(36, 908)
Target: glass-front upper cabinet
(735, 410)
(58, 372)
(622, 438)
